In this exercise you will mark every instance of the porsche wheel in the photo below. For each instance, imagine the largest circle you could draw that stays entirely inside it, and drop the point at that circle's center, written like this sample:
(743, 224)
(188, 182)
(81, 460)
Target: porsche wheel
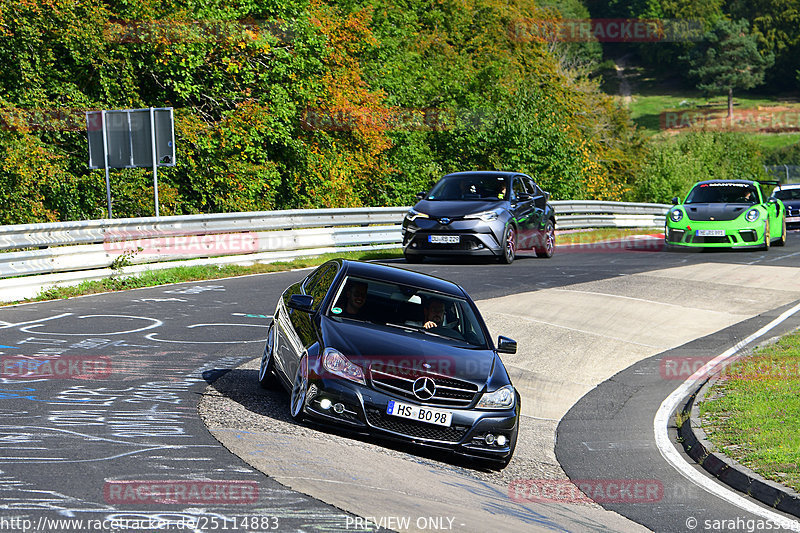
(766, 244)
(782, 240)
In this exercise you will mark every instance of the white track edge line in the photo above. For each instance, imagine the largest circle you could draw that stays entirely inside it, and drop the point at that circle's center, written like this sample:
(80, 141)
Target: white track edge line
(672, 456)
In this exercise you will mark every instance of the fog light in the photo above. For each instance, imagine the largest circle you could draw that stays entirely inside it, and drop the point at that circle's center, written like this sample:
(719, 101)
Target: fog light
(489, 439)
(325, 403)
(501, 440)
(338, 408)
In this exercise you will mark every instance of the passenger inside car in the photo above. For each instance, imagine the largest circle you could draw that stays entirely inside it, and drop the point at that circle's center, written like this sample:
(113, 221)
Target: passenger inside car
(355, 299)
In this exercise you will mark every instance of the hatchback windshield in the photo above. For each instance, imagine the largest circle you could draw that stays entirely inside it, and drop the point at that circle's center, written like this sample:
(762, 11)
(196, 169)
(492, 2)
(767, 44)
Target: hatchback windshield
(408, 308)
(472, 187)
(709, 193)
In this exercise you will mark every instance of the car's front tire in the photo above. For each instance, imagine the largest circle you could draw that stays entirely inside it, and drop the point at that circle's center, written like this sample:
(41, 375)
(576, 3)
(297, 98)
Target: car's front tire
(266, 374)
(297, 401)
(548, 247)
(766, 244)
(509, 245)
(782, 240)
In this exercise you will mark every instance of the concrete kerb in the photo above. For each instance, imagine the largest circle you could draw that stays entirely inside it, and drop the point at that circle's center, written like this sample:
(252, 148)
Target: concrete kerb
(722, 467)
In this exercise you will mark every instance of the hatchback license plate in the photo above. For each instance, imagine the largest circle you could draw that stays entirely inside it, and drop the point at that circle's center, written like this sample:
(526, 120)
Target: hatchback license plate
(421, 414)
(444, 239)
(711, 233)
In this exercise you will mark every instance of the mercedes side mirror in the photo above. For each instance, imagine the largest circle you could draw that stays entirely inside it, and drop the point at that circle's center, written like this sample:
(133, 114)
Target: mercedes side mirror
(301, 302)
(421, 195)
(506, 345)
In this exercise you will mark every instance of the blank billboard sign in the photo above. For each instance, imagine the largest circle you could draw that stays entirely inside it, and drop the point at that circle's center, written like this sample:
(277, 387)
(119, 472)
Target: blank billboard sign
(129, 138)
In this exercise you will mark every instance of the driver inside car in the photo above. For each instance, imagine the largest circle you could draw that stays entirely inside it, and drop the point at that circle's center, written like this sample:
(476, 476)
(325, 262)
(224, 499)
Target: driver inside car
(433, 311)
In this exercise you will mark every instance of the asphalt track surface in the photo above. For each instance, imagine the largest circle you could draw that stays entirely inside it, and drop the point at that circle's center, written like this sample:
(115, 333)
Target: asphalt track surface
(72, 447)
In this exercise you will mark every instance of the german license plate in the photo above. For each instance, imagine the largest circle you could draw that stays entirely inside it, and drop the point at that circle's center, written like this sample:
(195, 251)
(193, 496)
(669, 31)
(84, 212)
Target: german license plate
(419, 413)
(444, 239)
(711, 233)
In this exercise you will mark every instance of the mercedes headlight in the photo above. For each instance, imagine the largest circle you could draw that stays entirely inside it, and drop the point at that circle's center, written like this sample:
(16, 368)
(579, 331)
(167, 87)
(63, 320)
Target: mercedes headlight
(486, 216)
(752, 215)
(502, 398)
(676, 215)
(336, 363)
(412, 215)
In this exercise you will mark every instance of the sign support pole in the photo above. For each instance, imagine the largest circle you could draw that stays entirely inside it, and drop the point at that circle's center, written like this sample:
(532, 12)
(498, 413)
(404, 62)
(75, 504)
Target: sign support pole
(155, 160)
(105, 161)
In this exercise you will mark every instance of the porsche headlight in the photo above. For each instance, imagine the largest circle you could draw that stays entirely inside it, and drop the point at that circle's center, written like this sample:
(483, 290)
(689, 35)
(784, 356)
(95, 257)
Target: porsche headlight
(676, 215)
(502, 398)
(412, 215)
(752, 215)
(486, 216)
(339, 365)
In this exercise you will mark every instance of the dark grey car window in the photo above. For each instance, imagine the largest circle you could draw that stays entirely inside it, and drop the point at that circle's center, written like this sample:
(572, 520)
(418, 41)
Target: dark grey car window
(519, 187)
(323, 283)
(532, 187)
(318, 283)
(312, 279)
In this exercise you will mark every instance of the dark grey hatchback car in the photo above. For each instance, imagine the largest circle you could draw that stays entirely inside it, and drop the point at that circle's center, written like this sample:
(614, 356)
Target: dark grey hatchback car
(480, 213)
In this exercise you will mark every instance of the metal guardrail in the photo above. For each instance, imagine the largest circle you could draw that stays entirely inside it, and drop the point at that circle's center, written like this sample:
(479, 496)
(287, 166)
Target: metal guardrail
(59, 247)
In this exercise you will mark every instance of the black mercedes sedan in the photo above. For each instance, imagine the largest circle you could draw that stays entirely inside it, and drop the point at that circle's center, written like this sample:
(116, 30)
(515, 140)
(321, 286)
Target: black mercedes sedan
(392, 353)
(480, 213)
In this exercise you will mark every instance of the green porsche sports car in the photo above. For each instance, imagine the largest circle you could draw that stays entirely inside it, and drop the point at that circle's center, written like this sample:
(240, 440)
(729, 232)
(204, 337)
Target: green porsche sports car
(726, 214)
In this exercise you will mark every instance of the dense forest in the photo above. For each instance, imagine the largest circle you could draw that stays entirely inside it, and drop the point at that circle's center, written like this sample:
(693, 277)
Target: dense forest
(337, 103)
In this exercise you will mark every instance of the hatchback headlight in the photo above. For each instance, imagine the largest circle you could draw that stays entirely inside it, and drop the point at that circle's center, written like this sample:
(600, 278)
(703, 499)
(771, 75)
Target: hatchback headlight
(486, 216)
(412, 215)
(502, 398)
(336, 363)
(752, 215)
(676, 215)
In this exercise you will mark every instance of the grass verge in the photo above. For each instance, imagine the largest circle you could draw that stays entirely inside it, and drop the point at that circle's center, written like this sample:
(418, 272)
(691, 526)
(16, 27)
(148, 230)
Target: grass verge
(206, 272)
(753, 413)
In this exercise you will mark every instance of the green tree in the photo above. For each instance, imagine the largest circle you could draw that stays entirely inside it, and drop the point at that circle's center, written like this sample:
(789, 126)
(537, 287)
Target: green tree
(776, 24)
(728, 59)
